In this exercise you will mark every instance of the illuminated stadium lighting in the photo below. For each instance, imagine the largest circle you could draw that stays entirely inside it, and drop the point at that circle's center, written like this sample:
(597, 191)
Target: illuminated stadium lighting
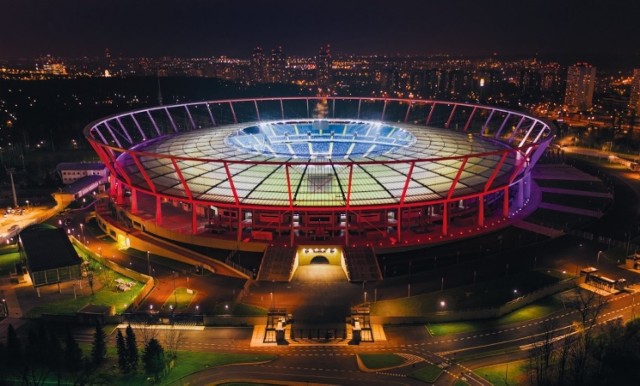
(266, 171)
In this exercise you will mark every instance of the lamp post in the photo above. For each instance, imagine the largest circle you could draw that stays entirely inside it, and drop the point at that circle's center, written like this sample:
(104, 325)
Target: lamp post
(148, 264)
(81, 231)
(27, 201)
(175, 294)
(598, 258)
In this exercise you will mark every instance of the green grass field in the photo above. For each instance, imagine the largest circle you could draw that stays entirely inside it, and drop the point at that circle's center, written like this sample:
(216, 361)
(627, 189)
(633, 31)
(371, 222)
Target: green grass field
(381, 361)
(504, 374)
(485, 294)
(536, 310)
(428, 374)
(180, 299)
(188, 362)
(8, 262)
(243, 309)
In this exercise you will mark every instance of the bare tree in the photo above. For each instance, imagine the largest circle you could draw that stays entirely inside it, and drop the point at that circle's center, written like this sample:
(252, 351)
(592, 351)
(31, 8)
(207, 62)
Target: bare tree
(172, 340)
(542, 355)
(589, 306)
(146, 332)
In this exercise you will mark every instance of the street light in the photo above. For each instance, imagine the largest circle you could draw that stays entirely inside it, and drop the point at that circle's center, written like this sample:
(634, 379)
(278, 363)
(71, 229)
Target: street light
(515, 293)
(148, 265)
(27, 201)
(598, 258)
(443, 303)
(81, 231)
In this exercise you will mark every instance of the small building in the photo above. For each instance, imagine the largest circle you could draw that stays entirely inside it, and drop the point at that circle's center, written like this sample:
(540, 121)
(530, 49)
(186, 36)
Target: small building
(71, 172)
(49, 255)
(78, 189)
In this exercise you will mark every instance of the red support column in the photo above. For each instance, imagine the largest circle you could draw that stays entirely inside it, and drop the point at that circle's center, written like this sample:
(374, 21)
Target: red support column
(481, 210)
(286, 169)
(505, 204)
(119, 194)
(112, 185)
(445, 219)
(239, 225)
(398, 224)
(158, 210)
(348, 203)
(134, 201)
(453, 111)
(194, 218)
(433, 107)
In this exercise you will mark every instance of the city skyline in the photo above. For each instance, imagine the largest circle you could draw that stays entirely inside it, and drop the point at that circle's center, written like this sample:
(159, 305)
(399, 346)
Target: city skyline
(201, 28)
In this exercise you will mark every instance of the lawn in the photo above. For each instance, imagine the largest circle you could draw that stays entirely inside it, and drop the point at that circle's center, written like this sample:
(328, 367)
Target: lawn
(188, 362)
(512, 373)
(485, 294)
(428, 374)
(243, 309)
(460, 382)
(105, 295)
(536, 310)
(180, 299)
(8, 262)
(381, 361)
(102, 297)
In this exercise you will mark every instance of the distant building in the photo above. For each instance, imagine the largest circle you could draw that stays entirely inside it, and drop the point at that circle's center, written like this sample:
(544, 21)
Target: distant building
(634, 98)
(71, 172)
(323, 67)
(581, 81)
(277, 65)
(258, 66)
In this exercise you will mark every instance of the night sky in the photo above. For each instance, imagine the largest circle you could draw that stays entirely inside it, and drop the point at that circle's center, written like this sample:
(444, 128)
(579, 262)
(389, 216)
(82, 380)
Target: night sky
(30, 28)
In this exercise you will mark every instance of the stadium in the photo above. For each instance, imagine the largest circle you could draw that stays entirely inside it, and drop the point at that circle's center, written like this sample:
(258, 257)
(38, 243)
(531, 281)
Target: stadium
(318, 172)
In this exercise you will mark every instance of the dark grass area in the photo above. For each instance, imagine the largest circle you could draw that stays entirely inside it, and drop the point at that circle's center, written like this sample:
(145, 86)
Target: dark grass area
(486, 294)
(582, 202)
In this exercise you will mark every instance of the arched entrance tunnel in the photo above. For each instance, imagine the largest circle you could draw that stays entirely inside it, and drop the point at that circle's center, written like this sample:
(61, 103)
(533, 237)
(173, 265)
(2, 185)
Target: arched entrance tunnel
(319, 260)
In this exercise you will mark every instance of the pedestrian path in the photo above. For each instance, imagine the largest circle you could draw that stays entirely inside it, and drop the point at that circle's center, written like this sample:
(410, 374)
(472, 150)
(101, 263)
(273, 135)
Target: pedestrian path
(574, 192)
(540, 229)
(570, 209)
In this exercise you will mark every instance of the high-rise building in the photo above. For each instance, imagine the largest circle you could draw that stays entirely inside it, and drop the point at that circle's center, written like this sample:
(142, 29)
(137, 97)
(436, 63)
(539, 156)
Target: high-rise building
(581, 81)
(258, 66)
(323, 67)
(277, 65)
(634, 98)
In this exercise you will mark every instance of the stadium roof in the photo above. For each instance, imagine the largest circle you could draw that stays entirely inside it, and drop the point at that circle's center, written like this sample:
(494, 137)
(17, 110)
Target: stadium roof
(260, 175)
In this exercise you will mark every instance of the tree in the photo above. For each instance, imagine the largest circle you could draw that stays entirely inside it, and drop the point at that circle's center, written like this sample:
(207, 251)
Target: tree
(172, 340)
(132, 349)
(55, 355)
(153, 358)
(13, 349)
(123, 363)
(72, 354)
(99, 348)
(589, 306)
